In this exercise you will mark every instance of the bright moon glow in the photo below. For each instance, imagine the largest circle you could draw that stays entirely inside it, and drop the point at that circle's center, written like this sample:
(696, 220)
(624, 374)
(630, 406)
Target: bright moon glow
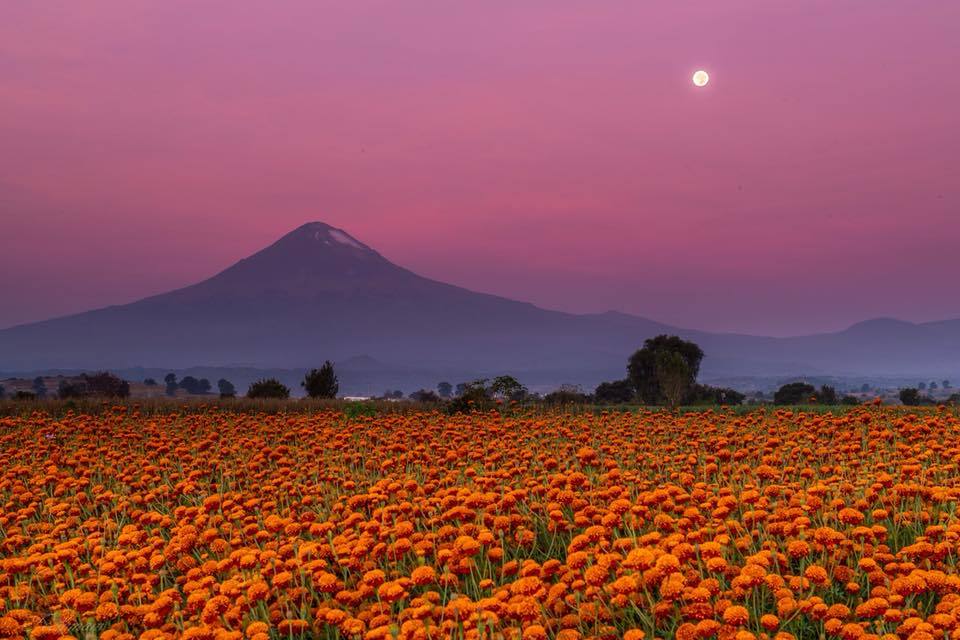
(700, 78)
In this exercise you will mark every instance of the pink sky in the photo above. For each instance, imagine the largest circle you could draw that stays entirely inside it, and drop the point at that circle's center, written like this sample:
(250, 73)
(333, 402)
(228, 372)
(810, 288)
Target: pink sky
(549, 151)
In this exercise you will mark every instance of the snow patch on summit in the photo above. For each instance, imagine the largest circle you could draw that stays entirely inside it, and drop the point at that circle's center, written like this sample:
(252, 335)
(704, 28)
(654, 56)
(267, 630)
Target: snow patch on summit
(341, 238)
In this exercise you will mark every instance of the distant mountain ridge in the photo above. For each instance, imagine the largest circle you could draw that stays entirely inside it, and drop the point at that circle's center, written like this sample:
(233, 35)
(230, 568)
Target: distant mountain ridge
(319, 293)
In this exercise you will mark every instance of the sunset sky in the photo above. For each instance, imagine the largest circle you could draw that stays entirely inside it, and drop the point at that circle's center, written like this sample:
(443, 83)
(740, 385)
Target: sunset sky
(545, 150)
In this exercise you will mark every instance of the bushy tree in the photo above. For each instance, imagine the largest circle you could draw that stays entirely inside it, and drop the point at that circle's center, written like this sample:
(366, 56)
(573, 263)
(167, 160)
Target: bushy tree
(673, 376)
(268, 388)
(616, 392)
(107, 385)
(195, 387)
(473, 395)
(567, 394)
(150, 382)
(445, 389)
(946, 384)
(922, 386)
(171, 381)
(795, 393)
(826, 395)
(849, 400)
(507, 388)
(322, 382)
(910, 397)
(3, 392)
(424, 395)
(701, 394)
(647, 364)
(226, 388)
(39, 387)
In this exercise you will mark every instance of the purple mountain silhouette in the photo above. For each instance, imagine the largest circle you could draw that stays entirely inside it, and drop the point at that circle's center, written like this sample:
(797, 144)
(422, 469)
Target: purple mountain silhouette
(319, 293)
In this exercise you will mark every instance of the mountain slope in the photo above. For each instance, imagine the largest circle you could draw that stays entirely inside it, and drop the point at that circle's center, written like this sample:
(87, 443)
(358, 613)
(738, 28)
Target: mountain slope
(319, 293)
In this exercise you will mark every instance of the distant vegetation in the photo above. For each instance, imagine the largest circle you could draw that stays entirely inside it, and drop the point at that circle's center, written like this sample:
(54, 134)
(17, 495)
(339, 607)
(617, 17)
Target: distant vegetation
(912, 397)
(663, 372)
(99, 385)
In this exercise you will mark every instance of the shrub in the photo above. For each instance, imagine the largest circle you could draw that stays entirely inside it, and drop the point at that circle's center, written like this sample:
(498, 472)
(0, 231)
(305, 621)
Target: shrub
(566, 395)
(424, 395)
(616, 392)
(268, 388)
(911, 397)
(795, 393)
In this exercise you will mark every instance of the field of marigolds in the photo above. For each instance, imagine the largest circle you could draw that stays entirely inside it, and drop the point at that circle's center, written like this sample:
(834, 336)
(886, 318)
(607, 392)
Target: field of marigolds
(220, 525)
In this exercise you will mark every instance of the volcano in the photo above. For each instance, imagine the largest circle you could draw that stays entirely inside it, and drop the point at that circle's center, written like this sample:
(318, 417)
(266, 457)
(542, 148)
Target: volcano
(319, 293)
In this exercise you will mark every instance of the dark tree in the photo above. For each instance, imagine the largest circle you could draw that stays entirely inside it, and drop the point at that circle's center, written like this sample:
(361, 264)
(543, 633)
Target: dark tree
(922, 386)
(461, 387)
(865, 387)
(567, 394)
(827, 395)
(933, 386)
(946, 384)
(226, 388)
(645, 365)
(472, 396)
(72, 389)
(268, 388)
(953, 399)
(910, 397)
(849, 400)
(445, 389)
(191, 385)
(507, 388)
(150, 382)
(107, 385)
(322, 382)
(673, 376)
(795, 393)
(171, 380)
(39, 387)
(24, 395)
(616, 392)
(701, 394)
(424, 395)
(3, 392)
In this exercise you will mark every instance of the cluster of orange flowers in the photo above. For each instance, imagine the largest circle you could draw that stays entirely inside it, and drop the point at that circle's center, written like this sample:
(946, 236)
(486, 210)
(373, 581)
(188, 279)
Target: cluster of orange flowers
(225, 526)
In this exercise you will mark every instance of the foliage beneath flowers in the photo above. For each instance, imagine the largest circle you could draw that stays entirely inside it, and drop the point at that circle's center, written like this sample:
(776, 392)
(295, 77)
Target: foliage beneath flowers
(255, 525)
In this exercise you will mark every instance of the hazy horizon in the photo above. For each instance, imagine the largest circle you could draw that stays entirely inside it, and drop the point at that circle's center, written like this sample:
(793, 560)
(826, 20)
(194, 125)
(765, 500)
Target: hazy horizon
(552, 154)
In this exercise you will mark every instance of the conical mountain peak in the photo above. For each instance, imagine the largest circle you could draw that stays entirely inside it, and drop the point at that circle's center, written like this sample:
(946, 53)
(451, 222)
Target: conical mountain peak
(313, 258)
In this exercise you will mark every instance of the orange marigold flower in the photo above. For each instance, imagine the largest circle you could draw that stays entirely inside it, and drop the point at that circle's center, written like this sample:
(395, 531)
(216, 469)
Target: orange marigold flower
(423, 575)
(736, 615)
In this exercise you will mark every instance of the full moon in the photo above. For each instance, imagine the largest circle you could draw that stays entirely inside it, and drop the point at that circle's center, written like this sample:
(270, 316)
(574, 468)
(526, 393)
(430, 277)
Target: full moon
(700, 78)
